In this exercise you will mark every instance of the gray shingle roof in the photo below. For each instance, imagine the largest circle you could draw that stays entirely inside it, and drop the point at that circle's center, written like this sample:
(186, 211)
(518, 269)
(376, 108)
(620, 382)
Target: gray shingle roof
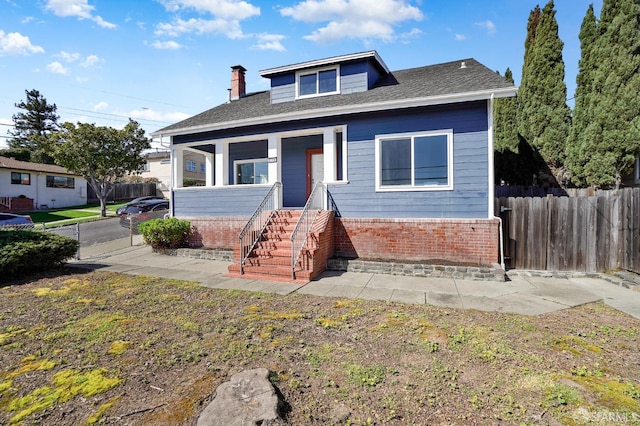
(424, 82)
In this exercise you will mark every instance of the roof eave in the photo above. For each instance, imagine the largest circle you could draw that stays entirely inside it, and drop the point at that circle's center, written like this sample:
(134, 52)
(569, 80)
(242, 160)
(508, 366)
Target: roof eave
(325, 61)
(348, 109)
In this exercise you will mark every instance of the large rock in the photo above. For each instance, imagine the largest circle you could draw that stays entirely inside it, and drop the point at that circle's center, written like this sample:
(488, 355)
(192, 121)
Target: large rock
(247, 399)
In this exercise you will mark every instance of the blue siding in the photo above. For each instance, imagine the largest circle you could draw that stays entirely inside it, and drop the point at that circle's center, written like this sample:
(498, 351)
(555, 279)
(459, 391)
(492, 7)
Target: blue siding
(232, 201)
(372, 73)
(353, 77)
(294, 168)
(357, 198)
(246, 151)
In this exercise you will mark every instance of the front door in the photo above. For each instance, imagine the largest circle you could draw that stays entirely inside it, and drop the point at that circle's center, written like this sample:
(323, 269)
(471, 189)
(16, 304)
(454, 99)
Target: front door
(315, 168)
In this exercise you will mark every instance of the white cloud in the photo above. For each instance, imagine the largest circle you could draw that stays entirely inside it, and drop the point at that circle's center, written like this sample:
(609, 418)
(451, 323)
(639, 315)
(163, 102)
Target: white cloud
(27, 19)
(269, 42)
(100, 106)
(78, 8)
(200, 26)
(354, 19)
(224, 9)
(17, 44)
(460, 37)
(221, 17)
(166, 45)
(150, 114)
(487, 25)
(57, 68)
(91, 60)
(68, 57)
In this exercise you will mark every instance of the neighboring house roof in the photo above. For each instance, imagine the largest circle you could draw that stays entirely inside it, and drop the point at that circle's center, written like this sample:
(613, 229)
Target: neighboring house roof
(10, 163)
(157, 154)
(456, 81)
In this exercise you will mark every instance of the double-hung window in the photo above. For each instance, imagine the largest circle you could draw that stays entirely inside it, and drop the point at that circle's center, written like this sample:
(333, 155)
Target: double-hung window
(18, 178)
(414, 161)
(190, 166)
(248, 172)
(317, 82)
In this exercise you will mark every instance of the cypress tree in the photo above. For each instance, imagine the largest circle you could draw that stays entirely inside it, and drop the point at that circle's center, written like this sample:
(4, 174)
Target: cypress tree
(527, 82)
(544, 117)
(505, 125)
(576, 155)
(612, 135)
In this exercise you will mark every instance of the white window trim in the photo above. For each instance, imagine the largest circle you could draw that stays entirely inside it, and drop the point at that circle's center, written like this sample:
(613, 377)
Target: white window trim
(317, 72)
(405, 188)
(252, 160)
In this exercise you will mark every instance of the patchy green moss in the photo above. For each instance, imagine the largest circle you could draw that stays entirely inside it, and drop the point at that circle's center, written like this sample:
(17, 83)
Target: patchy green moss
(255, 312)
(118, 347)
(66, 385)
(95, 417)
(11, 331)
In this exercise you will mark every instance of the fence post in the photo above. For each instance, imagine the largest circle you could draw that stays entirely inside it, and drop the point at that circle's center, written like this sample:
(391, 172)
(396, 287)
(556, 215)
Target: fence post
(77, 235)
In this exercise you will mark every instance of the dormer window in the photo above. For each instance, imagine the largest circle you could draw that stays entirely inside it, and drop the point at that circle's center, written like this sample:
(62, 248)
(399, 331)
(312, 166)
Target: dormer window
(317, 82)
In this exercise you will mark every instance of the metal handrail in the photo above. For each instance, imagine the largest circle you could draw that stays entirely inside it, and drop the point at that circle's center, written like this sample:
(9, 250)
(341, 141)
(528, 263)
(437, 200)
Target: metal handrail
(315, 203)
(256, 225)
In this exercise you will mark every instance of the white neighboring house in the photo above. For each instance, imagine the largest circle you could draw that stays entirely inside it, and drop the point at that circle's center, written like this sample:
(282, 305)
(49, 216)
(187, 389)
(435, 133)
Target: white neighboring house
(49, 186)
(158, 165)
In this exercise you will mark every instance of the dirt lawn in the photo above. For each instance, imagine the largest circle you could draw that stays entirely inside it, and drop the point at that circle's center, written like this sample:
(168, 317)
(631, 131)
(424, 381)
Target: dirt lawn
(115, 349)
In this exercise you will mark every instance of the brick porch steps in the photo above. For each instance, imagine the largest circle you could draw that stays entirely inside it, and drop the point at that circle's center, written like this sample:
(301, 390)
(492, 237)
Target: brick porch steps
(271, 258)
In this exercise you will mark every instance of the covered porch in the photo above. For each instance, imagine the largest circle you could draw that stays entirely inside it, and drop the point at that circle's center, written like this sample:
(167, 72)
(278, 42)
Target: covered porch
(240, 170)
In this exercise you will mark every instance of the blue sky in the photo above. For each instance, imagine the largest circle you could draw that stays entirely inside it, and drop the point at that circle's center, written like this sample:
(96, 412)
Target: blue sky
(159, 61)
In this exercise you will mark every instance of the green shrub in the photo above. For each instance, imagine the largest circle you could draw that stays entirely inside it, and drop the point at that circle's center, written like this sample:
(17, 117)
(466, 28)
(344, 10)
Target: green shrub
(25, 251)
(165, 233)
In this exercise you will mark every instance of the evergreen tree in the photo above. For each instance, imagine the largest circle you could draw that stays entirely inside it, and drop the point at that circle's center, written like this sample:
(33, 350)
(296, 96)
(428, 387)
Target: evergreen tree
(543, 115)
(611, 140)
(32, 127)
(576, 155)
(504, 117)
(527, 83)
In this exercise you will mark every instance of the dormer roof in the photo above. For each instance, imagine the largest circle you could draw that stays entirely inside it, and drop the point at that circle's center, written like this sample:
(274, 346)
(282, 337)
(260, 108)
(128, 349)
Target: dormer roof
(372, 54)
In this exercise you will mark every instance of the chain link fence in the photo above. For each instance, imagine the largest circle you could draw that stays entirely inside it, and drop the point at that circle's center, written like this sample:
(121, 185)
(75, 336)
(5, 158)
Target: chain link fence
(71, 231)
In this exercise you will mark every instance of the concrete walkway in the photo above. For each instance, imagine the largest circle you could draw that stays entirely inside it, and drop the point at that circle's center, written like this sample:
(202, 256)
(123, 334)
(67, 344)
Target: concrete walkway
(522, 294)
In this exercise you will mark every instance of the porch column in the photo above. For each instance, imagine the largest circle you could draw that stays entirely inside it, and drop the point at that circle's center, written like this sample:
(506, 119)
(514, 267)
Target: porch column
(272, 152)
(177, 166)
(209, 176)
(329, 155)
(222, 168)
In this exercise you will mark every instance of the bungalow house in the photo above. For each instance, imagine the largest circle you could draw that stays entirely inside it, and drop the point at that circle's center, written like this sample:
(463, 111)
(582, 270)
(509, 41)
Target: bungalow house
(28, 186)
(362, 161)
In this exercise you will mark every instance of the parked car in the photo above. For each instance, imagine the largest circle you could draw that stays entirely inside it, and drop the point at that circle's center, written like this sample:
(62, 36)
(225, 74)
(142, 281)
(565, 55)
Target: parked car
(120, 210)
(142, 211)
(15, 220)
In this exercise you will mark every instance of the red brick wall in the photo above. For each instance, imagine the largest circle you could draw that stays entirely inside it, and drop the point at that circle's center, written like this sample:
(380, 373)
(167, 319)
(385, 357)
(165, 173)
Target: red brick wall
(215, 233)
(456, 240)
(464, 241)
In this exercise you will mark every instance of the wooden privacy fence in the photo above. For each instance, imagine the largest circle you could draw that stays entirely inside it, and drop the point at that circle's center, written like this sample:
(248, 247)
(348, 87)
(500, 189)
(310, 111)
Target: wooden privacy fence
(590, 234)
(124, 191)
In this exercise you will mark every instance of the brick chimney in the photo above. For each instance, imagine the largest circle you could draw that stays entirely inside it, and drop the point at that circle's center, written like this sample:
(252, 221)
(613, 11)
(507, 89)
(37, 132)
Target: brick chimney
(238, 86)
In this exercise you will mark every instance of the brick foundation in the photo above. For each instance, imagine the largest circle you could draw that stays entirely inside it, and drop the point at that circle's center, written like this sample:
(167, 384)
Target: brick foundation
(456, 241)
(215, 233)
(462, 241)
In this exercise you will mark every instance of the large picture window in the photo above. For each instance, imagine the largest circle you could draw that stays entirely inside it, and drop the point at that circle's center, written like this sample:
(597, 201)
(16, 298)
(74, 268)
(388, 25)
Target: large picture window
(20, 178)
(60, 182)
(414, 161)
(318, 82)
(249, 172)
